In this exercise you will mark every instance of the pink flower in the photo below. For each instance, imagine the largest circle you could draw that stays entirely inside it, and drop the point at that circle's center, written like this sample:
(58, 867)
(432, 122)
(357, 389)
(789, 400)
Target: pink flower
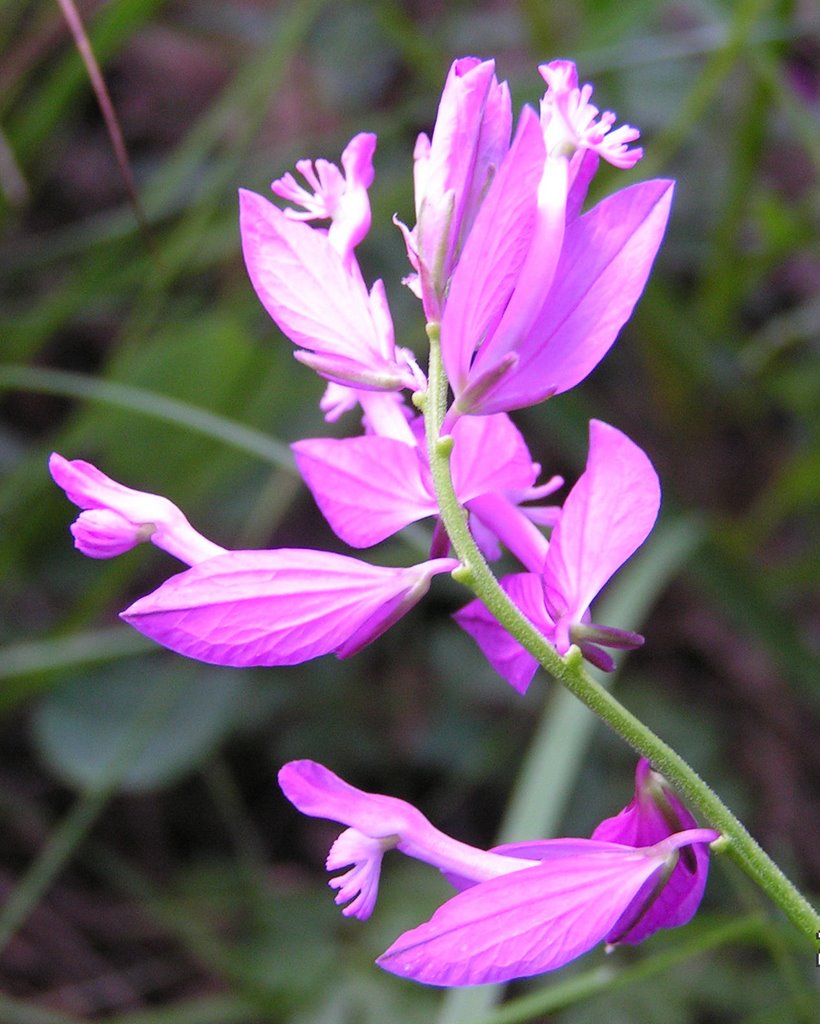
(538, 293)
(606, 517)
(523, 908)
(554, 292)
(653, 813)
(309, 280)
(240, 608)
(117, 518)
(341, 198)
(573, 125)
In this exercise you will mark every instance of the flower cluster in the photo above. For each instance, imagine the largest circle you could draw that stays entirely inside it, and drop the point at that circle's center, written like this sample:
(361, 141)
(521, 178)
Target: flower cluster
(523, 292)
(521, 908)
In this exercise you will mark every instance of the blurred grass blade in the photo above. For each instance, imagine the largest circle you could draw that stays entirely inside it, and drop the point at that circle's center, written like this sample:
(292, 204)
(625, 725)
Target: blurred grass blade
(15, 1011)
(112, 124)
(57, 653)
(112, 26)
(13, 184)
(149, 403)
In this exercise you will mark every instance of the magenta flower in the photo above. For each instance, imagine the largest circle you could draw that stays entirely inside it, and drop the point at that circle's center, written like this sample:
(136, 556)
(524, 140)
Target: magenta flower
(309, 280)
(369, 487)
(572, 124)
(117, 518)
(523, 908)
(240, 608)
(540, 293)
(606, 517)
(653, 813)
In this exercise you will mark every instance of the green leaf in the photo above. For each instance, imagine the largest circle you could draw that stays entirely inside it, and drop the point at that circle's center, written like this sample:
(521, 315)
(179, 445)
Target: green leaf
(79, 728)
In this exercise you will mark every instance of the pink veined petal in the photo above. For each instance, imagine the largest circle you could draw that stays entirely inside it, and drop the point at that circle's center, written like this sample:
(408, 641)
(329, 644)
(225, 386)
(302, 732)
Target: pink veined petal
(607, 515)
(320, 793)
(504, 653)
(302, 282)
(367, 487)
(278, 607)
(604, 266)
(526, 922)
(494, 253)
(396, 605)
(534, 850)
(490, 454)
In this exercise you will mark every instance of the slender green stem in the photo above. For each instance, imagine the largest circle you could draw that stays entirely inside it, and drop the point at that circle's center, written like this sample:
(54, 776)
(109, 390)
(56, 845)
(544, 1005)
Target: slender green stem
(477, 575)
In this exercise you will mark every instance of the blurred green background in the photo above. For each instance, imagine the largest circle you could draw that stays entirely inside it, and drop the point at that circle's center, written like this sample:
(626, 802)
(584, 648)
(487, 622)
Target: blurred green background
(150, 870)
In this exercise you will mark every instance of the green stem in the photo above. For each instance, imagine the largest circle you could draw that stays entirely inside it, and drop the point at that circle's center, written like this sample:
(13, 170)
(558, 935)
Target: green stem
(477, 575)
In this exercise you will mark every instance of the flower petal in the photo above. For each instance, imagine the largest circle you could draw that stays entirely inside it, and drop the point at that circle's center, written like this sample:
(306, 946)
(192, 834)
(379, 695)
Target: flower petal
(652, 815)
(278, 607)
(490, 455)
(525, 922)
(453, 169)
(605, 262)
(367, 487)
(320, 793)
(100, 534)
(305, 286)
(607, 515)
(494, 253)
